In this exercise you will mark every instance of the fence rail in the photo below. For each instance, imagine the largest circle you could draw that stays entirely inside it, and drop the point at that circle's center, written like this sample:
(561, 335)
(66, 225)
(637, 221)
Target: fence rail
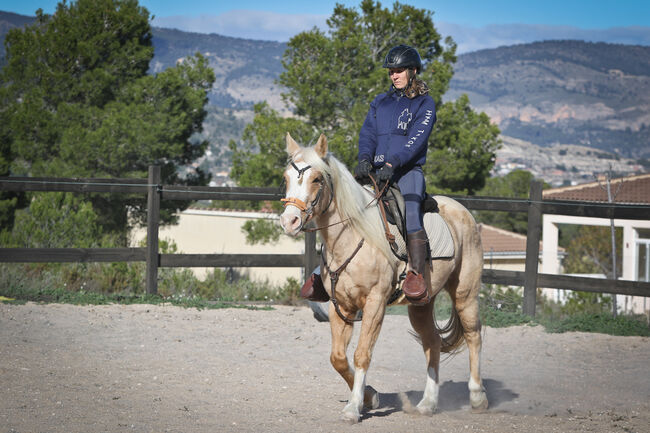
(534, 206)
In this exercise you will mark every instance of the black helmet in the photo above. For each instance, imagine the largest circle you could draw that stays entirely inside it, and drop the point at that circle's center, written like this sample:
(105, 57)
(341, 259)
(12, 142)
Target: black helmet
(403, 56)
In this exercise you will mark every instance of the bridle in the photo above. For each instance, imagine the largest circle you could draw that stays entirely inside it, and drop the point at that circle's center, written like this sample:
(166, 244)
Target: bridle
(309, 209)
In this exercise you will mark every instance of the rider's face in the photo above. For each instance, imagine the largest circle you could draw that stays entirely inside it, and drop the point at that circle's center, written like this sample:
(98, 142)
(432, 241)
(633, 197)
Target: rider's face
(399, 77)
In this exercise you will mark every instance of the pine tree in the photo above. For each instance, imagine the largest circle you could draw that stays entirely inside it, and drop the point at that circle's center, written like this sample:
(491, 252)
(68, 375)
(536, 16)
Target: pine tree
(331, 78)
(77, 102)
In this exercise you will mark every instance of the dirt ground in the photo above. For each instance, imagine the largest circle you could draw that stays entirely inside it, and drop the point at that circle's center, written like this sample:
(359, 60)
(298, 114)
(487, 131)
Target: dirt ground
(144, 368)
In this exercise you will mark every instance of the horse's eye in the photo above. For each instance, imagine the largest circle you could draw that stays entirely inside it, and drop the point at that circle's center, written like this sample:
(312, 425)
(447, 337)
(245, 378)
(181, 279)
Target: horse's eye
(317, 180)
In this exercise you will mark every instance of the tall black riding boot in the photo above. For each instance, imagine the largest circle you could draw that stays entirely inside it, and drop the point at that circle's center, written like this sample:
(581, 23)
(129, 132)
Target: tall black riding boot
(415, 285)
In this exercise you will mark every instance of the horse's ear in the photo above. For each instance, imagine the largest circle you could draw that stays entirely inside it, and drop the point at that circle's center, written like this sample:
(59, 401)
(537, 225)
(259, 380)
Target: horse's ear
(321, 146)
(292, 146)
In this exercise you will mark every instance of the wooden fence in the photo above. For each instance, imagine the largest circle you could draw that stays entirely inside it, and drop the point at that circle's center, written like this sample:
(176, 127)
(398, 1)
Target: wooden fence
(530, 279)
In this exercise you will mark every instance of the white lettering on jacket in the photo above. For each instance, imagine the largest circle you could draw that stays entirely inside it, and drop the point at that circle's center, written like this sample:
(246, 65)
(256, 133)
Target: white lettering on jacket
(413, 139)
(427, 117)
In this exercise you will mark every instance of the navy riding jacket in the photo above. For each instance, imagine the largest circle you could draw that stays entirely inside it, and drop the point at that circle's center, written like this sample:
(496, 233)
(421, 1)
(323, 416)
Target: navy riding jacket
(397, 130)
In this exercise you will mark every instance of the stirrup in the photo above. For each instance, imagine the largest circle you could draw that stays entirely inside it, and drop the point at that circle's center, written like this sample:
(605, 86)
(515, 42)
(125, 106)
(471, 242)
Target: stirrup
(415, 289)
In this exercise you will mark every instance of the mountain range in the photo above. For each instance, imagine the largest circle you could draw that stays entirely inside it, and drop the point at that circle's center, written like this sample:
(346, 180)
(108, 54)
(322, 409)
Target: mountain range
(550, 94)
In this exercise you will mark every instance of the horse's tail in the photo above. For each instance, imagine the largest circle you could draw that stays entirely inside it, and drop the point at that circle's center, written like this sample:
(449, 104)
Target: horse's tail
(451, 333)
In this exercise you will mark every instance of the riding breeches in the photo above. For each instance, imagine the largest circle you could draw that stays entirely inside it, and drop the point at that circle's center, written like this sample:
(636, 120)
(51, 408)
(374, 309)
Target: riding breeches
(412, 187)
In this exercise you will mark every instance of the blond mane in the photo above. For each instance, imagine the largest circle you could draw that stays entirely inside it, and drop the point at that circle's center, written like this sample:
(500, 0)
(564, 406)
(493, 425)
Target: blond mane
(351, 199)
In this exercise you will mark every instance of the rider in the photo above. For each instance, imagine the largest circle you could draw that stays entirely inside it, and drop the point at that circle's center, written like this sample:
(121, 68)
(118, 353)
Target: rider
(393, 143)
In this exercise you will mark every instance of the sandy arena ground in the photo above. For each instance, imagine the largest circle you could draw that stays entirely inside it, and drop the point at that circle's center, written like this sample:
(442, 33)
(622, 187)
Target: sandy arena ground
(146, 368)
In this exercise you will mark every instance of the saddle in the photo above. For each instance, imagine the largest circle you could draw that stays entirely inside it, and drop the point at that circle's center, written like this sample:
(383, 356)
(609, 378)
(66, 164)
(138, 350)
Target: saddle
(392, 203)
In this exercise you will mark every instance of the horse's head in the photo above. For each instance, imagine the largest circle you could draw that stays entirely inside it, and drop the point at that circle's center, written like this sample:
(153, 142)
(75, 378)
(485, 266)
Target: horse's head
(308, 191)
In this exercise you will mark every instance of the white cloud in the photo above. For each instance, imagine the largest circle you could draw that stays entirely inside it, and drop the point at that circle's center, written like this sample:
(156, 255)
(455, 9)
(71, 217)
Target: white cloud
(272, 26)
(260, 25)
(492, 36)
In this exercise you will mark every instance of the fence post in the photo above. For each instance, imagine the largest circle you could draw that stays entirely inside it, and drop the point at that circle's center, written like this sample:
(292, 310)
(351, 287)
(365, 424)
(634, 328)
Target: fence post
(153, 219)
(311, 255)
(532, 247)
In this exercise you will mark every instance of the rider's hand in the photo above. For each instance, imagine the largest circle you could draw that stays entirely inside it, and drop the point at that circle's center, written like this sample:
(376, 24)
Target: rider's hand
(385, 173)
(363, 169)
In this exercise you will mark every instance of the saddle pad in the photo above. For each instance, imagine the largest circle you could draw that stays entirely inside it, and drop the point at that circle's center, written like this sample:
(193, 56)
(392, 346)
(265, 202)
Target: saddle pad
(440, 240)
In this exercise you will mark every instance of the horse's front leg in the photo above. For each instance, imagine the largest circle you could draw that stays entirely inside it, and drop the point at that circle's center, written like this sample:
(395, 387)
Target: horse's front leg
(362, 396)
(341, 334)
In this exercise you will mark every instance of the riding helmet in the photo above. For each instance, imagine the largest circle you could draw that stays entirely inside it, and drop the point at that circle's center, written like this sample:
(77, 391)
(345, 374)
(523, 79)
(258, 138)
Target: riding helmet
(403, 56)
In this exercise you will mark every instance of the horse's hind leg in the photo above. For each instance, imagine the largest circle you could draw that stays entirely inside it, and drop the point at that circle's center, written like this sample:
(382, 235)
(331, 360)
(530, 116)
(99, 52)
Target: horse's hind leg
(467, 308)
(421, 318)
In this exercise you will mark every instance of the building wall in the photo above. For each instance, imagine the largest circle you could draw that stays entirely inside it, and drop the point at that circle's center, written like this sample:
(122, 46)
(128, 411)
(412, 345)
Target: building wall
(514, 263)
(220, 232)
(551, 263)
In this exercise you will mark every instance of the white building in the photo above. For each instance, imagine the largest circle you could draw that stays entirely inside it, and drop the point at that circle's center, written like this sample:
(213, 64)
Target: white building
(636, 233)
(214, 231)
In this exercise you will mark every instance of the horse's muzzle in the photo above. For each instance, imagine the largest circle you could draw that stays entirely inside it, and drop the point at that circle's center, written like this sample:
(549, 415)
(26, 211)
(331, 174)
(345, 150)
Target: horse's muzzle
(291, 221)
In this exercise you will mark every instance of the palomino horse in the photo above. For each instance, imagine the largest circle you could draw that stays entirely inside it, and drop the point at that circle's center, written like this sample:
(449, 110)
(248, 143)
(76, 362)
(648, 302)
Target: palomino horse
(320, 189)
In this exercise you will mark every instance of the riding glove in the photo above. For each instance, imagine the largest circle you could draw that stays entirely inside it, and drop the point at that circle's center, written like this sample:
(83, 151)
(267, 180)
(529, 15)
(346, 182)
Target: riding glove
(363, 169)
(385, 173)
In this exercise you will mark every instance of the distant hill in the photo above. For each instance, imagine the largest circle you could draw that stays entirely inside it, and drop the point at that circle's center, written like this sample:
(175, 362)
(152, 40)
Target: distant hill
(552, 93)
(245, 69)
(563, 92)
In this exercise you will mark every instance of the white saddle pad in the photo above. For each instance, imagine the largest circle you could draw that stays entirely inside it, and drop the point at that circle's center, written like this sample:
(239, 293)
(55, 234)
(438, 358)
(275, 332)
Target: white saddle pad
(440, 240)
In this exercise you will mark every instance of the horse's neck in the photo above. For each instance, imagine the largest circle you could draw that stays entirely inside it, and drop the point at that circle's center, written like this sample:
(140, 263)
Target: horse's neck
(338, 235)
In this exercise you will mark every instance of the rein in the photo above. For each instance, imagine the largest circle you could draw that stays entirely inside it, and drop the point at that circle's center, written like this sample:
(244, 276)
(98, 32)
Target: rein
(334, 278)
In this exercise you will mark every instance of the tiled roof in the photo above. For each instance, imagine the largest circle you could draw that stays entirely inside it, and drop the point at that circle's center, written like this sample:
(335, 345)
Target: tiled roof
(630, 190)
(497, 240)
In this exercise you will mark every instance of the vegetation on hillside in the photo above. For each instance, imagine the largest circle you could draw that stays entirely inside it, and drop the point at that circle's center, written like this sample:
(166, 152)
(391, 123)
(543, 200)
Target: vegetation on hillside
(563, 92)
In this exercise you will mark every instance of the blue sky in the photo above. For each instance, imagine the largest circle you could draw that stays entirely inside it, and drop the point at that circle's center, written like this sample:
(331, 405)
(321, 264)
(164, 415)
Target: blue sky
(473, 24)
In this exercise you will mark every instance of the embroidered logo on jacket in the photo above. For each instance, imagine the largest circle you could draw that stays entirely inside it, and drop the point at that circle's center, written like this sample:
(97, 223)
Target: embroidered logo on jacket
(404, 119)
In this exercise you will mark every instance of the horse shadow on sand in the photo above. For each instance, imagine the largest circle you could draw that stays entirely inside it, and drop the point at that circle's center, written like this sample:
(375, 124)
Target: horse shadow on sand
(453, 396)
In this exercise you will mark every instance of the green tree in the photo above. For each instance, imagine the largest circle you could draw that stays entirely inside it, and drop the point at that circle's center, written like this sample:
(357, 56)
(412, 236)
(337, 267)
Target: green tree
(77, 102)
(515, 184)
(56, 220)
(331, 77)
(261, 156)
(462, 149)
(590, 252)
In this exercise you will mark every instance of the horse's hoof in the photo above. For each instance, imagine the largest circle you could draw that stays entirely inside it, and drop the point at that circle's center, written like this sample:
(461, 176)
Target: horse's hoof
(351, 413)
(350, 417)
(478, 401)
(425, 409)
(370, 398)
(427, 406)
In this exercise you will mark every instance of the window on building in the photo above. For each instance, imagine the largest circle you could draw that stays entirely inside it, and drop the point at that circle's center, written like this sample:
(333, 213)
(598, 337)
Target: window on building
(643, 255)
